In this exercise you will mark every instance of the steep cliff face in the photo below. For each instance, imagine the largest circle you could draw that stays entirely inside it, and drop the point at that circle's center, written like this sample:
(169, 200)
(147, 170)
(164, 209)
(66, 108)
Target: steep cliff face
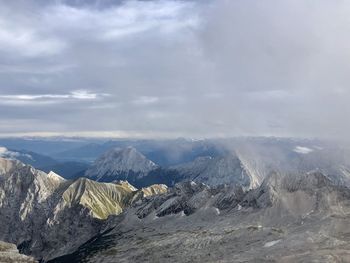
(216, 171)
(27, 197)
(47, 216)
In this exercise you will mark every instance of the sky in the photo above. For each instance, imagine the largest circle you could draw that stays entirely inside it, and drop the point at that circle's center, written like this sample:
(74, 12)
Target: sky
(172, 68)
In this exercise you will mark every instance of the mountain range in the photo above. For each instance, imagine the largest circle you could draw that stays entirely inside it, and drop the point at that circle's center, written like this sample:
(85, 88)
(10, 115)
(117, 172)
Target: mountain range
(247, 165)
(259, 200)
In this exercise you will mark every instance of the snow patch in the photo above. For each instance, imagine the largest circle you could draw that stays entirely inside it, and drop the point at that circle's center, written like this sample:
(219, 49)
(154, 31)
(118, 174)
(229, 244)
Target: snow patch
(302, 150)
(272, 243)
(52, 175)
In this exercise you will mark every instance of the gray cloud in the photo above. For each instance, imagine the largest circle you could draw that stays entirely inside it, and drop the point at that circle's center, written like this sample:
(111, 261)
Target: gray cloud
(175, 68)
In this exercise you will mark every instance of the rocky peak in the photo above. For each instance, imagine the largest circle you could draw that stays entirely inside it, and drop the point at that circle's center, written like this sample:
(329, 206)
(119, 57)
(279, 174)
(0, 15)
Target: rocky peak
(154, 190)
(125, 184)
(52, 175)
(118, 164)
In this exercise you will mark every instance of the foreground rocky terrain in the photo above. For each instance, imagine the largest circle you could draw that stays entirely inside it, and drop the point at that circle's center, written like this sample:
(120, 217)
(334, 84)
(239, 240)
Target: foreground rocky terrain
(302, 218)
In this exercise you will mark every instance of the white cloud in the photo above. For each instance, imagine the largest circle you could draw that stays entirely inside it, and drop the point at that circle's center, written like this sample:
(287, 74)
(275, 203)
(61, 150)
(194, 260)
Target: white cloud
(5, 153)
(302, 150)
(85, 95)
(21, 99)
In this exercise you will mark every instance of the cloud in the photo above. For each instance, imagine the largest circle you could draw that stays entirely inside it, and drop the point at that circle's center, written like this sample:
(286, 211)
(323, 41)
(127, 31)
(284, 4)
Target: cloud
(176, 68)
(121, 21)
(26, 41)
(39, 70)
(145, 100)
(21, 99)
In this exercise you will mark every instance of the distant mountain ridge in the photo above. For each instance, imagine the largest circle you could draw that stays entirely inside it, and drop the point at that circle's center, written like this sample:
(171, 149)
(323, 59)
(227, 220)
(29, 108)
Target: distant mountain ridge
(163, 152)
(253, 159)
(129, 164)
(247, 165)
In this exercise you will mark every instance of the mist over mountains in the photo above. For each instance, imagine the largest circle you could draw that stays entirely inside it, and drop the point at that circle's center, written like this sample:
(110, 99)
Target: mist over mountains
(258, 156)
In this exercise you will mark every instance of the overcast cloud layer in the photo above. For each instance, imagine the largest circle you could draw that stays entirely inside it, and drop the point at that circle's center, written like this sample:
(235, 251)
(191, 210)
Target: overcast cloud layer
(175, 68)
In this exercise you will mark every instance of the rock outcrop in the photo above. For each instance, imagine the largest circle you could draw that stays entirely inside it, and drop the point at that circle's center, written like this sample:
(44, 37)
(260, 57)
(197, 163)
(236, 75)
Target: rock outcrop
(9, 254)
